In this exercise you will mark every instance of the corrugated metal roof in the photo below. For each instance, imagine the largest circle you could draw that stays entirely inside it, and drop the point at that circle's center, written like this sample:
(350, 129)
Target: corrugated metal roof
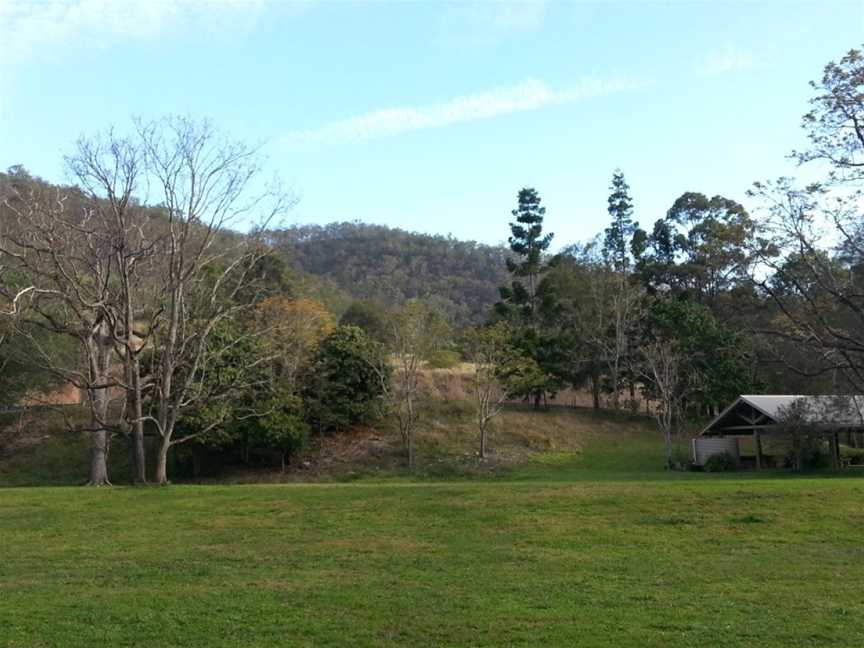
(771, 404)
(829, 410)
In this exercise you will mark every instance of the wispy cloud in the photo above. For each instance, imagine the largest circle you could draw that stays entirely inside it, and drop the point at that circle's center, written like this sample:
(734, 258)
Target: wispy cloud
(728, 58)
(39, 30)
(477, 24)
(527, 96)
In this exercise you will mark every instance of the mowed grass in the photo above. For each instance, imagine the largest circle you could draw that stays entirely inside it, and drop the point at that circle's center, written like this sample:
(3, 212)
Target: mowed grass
(587, 544)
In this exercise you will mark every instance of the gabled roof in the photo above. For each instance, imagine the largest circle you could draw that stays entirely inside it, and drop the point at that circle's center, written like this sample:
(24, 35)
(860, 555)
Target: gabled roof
(752, 410)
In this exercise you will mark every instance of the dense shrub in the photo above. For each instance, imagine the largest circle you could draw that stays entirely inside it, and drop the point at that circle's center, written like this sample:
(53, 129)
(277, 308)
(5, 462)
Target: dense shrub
(721, 462)
(855, 455)
(343, 385)
(808, 452)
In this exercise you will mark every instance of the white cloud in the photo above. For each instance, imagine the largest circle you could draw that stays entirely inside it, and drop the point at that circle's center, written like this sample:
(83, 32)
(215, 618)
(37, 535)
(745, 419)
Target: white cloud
(478, 24)
(526, 96)
(727, 59)
(37, 30)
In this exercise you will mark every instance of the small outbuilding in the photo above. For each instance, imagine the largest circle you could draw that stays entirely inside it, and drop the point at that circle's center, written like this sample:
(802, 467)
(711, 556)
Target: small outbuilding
(764, 423)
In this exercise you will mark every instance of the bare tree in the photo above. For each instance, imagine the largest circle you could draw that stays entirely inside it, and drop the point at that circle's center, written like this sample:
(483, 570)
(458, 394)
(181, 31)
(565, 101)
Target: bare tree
(109, 170)
(616, 307)
(416, 331)
(142, 286)
(205, 185)
(490, 352)
(60, 244)
(666, 369)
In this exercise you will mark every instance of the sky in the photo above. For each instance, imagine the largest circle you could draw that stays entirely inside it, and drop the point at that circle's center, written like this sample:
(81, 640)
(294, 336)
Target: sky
(430, 116)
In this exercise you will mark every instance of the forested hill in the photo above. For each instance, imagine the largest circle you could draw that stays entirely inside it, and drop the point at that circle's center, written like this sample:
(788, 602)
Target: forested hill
(390, 265)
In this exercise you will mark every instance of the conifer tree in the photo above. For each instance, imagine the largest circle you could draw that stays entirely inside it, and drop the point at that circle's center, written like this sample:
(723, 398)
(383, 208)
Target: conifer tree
(528, 243)
(619, 234)
(529, 301)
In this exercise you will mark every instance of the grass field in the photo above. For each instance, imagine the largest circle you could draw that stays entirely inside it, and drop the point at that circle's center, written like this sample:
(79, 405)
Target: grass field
(588, 547)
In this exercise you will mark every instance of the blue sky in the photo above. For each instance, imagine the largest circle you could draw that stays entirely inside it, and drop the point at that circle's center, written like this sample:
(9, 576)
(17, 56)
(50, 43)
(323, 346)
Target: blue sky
(431, 116)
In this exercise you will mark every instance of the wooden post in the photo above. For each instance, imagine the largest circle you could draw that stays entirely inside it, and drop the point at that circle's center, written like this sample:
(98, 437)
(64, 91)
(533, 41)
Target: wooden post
(758, 443)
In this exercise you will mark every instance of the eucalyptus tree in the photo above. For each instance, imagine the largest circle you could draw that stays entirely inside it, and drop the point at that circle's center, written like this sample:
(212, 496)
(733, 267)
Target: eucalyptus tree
(60, 250)
(813, 236)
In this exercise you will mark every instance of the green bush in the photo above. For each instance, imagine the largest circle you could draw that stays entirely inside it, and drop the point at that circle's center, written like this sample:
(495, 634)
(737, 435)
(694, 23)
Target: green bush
(855, 455)
(343, 386)
(444, 360)
(721, 462)
(812, 450)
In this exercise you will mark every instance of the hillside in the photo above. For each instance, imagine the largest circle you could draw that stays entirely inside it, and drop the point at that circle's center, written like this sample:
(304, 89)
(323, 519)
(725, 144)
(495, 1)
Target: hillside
(390, 265)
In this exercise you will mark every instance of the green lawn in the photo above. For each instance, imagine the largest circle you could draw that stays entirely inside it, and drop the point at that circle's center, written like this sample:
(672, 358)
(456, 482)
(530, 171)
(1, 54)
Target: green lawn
(593, 546)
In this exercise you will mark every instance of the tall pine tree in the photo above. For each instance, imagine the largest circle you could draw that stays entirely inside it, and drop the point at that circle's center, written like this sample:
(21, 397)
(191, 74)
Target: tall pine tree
(528, 243)
(529, 301)
(619, 235)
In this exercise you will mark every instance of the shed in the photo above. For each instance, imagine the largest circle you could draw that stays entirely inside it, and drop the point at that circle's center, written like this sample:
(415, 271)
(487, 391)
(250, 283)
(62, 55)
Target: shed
(761, 418)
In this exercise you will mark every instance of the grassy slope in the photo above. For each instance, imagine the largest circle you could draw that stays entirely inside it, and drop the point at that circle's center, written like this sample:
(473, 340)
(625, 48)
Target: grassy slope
(593, 547)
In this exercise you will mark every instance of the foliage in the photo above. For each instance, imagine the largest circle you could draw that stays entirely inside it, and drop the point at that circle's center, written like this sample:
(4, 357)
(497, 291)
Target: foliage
(718, 355)
(620, 235)
(855, 455)
(529, 303)
(720, 462)
(344, 384)
(443, 359)
(369, 316)
(812, 237)
(521, 301)
(833, 124)
(389, 266)
(700, 250)
(495, 362)
(281, 427)
(417, 331)
(236, 390)
(291, 330)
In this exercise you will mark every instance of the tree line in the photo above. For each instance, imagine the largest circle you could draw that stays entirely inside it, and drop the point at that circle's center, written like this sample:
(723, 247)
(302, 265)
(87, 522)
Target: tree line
(711, 301)
(137, 286)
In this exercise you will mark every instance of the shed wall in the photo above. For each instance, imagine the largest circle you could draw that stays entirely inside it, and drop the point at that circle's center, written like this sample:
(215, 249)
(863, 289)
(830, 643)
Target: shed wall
(701, 448)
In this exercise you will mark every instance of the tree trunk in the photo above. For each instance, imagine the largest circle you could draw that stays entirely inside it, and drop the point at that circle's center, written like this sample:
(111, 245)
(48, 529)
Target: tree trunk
(595, 390)
(615, 387)
(140, 454)
(410, 444)
(138, 425)
(482, 441)
(537, 396)
(667, 437)
(99, 459)
(162, 463)
(99, 352)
